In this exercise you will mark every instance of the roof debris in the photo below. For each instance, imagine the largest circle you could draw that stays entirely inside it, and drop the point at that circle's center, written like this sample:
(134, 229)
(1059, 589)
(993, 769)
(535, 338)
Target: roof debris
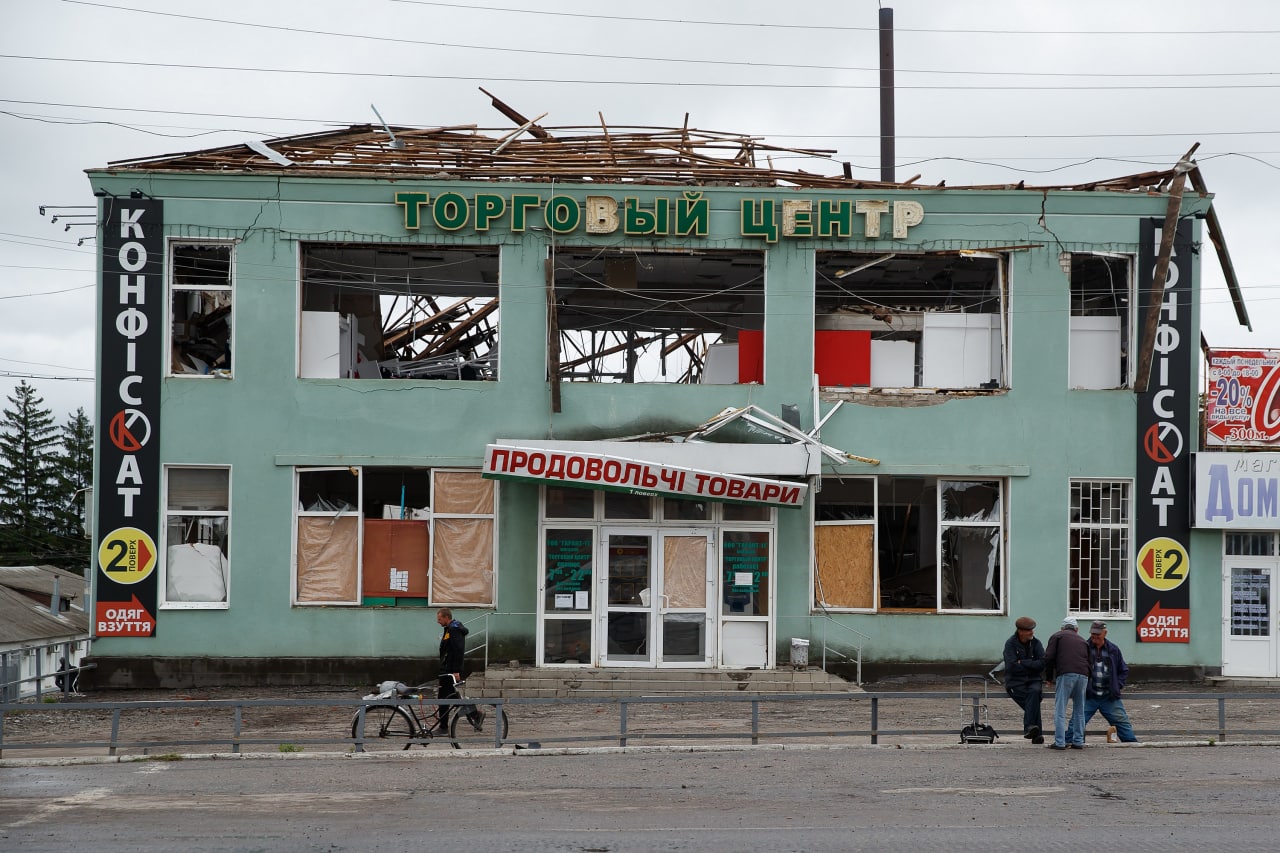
(607, 154)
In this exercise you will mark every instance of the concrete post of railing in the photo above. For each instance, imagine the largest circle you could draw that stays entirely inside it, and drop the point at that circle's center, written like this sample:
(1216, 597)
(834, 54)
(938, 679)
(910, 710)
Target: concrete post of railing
(622, 722)
(235, 729)
(875, 720)
(115, 731)
(8, 689)
(755, 722)
(1222, 718)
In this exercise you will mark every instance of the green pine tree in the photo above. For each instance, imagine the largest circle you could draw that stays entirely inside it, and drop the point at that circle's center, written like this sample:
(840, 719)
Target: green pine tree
(27, 444)
(72, 473)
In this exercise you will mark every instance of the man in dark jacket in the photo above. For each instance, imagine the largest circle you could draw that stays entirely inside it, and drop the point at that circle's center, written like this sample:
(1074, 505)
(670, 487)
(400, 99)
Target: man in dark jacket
(1108, 674)
(453, 647)
(1023, 673)
(1066, 663)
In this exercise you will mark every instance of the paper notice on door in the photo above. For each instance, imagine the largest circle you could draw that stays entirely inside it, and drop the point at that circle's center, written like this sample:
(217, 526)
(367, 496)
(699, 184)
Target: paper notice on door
(743, 578)
(582, 600)
(564, 600)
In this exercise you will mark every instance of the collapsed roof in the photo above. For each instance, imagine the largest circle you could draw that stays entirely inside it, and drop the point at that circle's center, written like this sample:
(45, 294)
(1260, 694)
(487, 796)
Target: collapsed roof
(636, 155)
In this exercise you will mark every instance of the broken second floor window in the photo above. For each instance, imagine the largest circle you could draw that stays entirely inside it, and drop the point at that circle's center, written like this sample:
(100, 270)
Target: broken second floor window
(694, 317)
(200, 302)
(399, 312)
(911, 320)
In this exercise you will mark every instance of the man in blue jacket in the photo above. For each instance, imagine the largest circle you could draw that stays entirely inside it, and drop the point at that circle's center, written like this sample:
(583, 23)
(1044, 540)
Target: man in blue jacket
(1023, 674)
(1108, 674)
(453, 648)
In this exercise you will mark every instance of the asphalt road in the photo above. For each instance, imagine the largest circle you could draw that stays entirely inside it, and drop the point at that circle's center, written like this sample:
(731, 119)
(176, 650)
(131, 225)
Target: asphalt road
(809, 798)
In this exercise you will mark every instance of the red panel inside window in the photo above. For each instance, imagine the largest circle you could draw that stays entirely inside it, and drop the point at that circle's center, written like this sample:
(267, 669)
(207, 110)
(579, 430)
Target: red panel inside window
(751, 356)
(842, 358)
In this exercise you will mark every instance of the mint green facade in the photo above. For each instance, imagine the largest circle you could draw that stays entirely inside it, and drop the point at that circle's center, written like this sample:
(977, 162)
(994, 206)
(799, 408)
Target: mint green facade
(1034, 435)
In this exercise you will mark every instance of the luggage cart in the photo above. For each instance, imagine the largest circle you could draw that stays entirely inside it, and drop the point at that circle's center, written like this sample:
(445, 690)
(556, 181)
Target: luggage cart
(973, 707)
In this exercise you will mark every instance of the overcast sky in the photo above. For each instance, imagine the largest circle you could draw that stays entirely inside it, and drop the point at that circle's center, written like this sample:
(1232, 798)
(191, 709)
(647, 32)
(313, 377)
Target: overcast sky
(988, 92)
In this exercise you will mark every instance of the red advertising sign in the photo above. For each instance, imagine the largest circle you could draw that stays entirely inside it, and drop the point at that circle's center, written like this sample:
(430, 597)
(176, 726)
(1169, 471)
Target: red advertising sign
(1242, 407)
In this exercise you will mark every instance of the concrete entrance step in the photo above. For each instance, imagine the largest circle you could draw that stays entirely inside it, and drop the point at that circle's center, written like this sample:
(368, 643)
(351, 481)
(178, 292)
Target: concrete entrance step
(555, 683)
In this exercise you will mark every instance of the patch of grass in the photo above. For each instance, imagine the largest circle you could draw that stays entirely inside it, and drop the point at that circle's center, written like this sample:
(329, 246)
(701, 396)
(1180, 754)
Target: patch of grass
(50, 700)
(290, 747)
(167, 756)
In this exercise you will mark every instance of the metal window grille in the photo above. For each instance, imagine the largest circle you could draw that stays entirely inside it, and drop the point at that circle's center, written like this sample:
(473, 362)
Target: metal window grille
(1249, 544)
(1099, 547)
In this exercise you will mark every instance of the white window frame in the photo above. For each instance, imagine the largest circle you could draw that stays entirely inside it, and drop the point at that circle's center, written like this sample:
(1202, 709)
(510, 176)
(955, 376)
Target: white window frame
(1123, 526)
(817, 604)
(173, 244)
(1080, 330)
(299, 512)
(493, 518)
(998, 525)
(169, 512)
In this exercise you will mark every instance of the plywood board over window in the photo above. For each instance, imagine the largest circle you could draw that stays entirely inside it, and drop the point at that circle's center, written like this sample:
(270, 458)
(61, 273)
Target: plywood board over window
(328, 558)
(462, 493)
(684, 576)
(462, 561)
(846, 565)
(462, 542)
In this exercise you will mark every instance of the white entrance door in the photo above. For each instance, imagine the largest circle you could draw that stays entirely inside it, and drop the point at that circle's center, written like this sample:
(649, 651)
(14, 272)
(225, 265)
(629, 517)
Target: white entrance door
(686, 614)
(657, 588)
(1249, 623)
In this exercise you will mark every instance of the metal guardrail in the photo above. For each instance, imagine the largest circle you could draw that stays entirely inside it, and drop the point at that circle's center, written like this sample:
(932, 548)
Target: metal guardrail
(839, 711)
(11, 666)
(828, 647)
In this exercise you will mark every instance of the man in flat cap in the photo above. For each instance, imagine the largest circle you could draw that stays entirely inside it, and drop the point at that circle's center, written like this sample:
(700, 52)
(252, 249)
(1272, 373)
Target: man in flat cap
(1066, 663)
(1107, 676)
(1023, 674)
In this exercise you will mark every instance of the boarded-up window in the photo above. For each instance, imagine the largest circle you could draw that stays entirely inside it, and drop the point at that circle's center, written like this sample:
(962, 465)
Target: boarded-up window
(844, 544)
(395, 536)
(463, 539)
(684, 571)
(846, 565)
(909, 543)
(328, 559)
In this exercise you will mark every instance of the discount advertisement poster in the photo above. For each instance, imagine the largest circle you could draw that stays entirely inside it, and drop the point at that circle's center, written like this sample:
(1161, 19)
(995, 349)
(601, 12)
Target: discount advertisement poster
(128, 483)
(1162, 526)
(1242, 402)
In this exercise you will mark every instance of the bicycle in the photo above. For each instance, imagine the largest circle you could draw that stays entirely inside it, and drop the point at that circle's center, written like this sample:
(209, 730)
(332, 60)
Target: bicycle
(397, 719)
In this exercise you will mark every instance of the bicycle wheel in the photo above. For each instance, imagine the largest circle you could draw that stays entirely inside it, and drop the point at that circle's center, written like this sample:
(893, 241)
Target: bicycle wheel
(384, 721)
(463, 735)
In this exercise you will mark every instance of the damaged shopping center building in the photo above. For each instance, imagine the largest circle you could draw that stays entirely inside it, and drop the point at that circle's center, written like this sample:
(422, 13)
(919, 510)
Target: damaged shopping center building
(631, 397)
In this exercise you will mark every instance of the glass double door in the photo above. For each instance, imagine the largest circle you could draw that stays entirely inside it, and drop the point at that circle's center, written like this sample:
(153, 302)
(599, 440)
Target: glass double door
(658, 593)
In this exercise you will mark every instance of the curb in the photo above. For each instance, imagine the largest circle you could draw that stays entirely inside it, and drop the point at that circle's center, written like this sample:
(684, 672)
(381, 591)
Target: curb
(520, 751)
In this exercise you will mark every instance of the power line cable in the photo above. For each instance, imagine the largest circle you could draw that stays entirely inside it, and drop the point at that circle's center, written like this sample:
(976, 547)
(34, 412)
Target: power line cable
(821, 27)
(683, 83)
(344, 123)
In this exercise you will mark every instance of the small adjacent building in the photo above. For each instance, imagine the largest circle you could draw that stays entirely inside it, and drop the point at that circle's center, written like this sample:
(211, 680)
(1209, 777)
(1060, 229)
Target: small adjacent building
(43, 623)
(636, 398)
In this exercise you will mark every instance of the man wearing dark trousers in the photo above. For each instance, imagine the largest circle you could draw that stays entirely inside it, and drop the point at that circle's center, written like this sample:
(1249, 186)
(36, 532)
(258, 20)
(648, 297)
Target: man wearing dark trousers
(453, 647)
(1023, 675)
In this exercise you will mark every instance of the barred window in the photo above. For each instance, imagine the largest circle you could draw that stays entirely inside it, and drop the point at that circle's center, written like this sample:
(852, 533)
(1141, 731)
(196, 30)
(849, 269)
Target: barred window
(1100, 548)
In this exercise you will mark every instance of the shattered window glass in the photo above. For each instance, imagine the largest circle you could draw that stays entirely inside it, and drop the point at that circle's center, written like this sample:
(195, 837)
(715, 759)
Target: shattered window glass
(692, 317)
(910, 319)
(399, 312)
(200, 290)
